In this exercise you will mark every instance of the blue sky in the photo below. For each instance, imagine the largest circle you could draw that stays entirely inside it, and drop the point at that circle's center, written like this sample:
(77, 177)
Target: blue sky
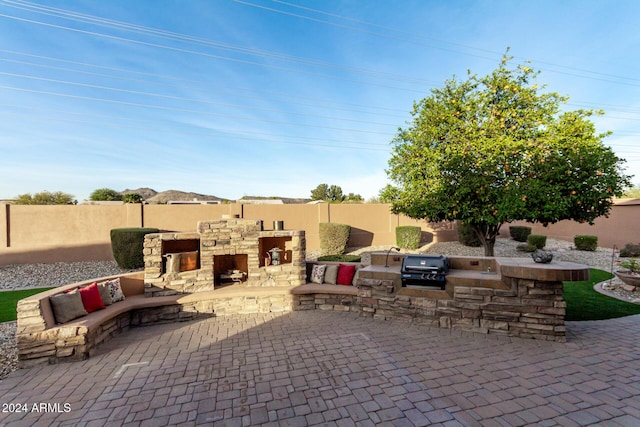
(265, 98)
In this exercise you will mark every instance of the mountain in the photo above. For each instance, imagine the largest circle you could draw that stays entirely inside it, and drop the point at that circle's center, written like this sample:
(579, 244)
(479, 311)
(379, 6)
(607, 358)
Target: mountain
(152, 196)
(285, 200)
(145, 193)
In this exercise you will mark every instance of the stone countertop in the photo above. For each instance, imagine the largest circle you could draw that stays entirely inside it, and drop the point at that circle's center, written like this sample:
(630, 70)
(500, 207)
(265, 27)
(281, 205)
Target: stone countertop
(555, 271)
(521, 268)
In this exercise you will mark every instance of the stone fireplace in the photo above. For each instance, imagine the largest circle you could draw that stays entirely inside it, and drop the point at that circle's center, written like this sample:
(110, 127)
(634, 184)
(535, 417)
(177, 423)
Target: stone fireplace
(223, 252)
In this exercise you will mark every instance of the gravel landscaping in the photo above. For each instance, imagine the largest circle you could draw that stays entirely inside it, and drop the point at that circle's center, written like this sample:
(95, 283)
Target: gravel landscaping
(57, 274)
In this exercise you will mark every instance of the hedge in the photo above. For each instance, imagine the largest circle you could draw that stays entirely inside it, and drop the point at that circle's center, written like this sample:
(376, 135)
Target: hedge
(408, 236)
(126, 244)
(586, 242)
(334, 238)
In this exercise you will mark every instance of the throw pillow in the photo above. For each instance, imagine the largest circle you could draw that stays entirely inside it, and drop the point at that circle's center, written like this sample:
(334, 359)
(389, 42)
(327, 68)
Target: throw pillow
(105, 295)
(317, 273)
(67, 306)
(115, 290)
(331, 274)
(91, 298)
(345, 274)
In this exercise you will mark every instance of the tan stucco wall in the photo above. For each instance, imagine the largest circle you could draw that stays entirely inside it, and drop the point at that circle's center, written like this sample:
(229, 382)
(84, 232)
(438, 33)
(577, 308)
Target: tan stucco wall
(76, 233)
(620, 228)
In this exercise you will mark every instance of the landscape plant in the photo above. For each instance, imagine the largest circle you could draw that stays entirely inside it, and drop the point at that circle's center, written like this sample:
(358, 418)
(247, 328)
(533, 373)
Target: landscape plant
(132, 198)
(105, 195)
(408, 236)
(631, 266)
(333, 194)
(467, 235)
(333, 237)
(537, 240)
(340, 258)
(630, 250)
(519, 233)
(496, 149)
(586, 242)
(45, 198)
(127, 245)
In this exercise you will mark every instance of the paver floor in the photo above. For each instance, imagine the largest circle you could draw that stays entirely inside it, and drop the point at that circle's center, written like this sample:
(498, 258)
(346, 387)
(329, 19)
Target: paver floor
(335, 369)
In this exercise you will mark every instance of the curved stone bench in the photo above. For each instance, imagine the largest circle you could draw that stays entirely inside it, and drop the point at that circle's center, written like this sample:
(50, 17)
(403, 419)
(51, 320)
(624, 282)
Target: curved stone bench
(41, 340)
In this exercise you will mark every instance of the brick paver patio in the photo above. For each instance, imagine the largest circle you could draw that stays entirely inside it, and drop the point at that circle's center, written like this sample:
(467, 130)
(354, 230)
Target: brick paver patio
(335, 369)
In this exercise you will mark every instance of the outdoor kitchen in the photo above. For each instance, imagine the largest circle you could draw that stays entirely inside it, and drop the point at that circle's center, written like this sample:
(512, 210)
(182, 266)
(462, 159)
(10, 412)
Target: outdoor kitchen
(487, 295)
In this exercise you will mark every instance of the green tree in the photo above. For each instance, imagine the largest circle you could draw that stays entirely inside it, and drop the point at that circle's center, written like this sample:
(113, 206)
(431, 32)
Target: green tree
(320, 192)
(633, 192)
(334, 194)
(353, 198)
(105, 194)
(132, 198)
(495, 149)
(389, 194)
(45, 198)
(331, 193)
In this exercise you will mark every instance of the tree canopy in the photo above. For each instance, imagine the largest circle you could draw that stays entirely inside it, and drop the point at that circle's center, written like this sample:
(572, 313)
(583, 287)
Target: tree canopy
(105, 194)
(333, 193)
(495, 149)
(132, 198)
(45, 198)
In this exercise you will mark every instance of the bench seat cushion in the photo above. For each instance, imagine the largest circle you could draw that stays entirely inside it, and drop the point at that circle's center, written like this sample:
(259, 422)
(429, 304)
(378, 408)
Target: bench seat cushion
(97, 318)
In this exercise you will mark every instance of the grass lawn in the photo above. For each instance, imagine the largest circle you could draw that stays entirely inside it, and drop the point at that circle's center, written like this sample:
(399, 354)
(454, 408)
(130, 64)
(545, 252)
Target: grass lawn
(583, 303)
(9, 301)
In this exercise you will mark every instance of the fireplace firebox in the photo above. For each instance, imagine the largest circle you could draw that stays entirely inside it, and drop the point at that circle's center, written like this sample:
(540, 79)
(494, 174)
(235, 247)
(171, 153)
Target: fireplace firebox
(230, 269)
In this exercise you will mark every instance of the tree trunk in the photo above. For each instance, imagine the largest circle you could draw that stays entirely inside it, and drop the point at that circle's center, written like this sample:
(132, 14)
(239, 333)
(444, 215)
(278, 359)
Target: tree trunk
(488, 246)
(487, 235)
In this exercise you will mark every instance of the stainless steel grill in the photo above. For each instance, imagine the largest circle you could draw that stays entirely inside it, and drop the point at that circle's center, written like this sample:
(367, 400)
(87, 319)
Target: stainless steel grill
(424, 271)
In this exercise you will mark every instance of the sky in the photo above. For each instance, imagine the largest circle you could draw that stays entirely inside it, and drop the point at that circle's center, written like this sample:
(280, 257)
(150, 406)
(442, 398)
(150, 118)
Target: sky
(238, 98)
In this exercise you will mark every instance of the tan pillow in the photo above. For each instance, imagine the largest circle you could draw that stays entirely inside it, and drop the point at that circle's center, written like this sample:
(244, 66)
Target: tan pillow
(331, 274)
(67, 306)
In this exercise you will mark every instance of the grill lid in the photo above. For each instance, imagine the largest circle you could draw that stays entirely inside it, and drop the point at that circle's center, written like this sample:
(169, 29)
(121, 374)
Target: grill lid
(425, 263)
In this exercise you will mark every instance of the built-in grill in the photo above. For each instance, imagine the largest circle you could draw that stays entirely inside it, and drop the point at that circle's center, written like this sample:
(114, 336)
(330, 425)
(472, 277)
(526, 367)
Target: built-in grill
(424, 271)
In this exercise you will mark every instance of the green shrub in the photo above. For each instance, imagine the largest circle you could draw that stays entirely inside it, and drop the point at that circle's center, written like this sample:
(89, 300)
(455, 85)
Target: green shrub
(519, 233)
(467, 236)
(126, 244)
(537, 240)
(334, 238)
(132, 198)
(632, 265)
(526, 247)
(340, 258)
(408, 236)
(630, 250)
(585, 242)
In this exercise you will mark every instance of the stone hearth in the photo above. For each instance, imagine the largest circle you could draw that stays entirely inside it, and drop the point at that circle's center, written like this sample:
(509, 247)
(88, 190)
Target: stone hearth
(228, 251)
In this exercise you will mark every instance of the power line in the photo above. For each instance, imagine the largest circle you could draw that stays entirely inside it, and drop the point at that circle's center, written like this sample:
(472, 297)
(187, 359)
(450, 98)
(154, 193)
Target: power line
(111, 118)
(422, 37)
(234, 136)
(182, 110)
(179, 98)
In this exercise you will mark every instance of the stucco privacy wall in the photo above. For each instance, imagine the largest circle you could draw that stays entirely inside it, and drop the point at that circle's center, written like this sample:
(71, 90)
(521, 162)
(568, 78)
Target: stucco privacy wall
(619, 229)
(76, 233)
